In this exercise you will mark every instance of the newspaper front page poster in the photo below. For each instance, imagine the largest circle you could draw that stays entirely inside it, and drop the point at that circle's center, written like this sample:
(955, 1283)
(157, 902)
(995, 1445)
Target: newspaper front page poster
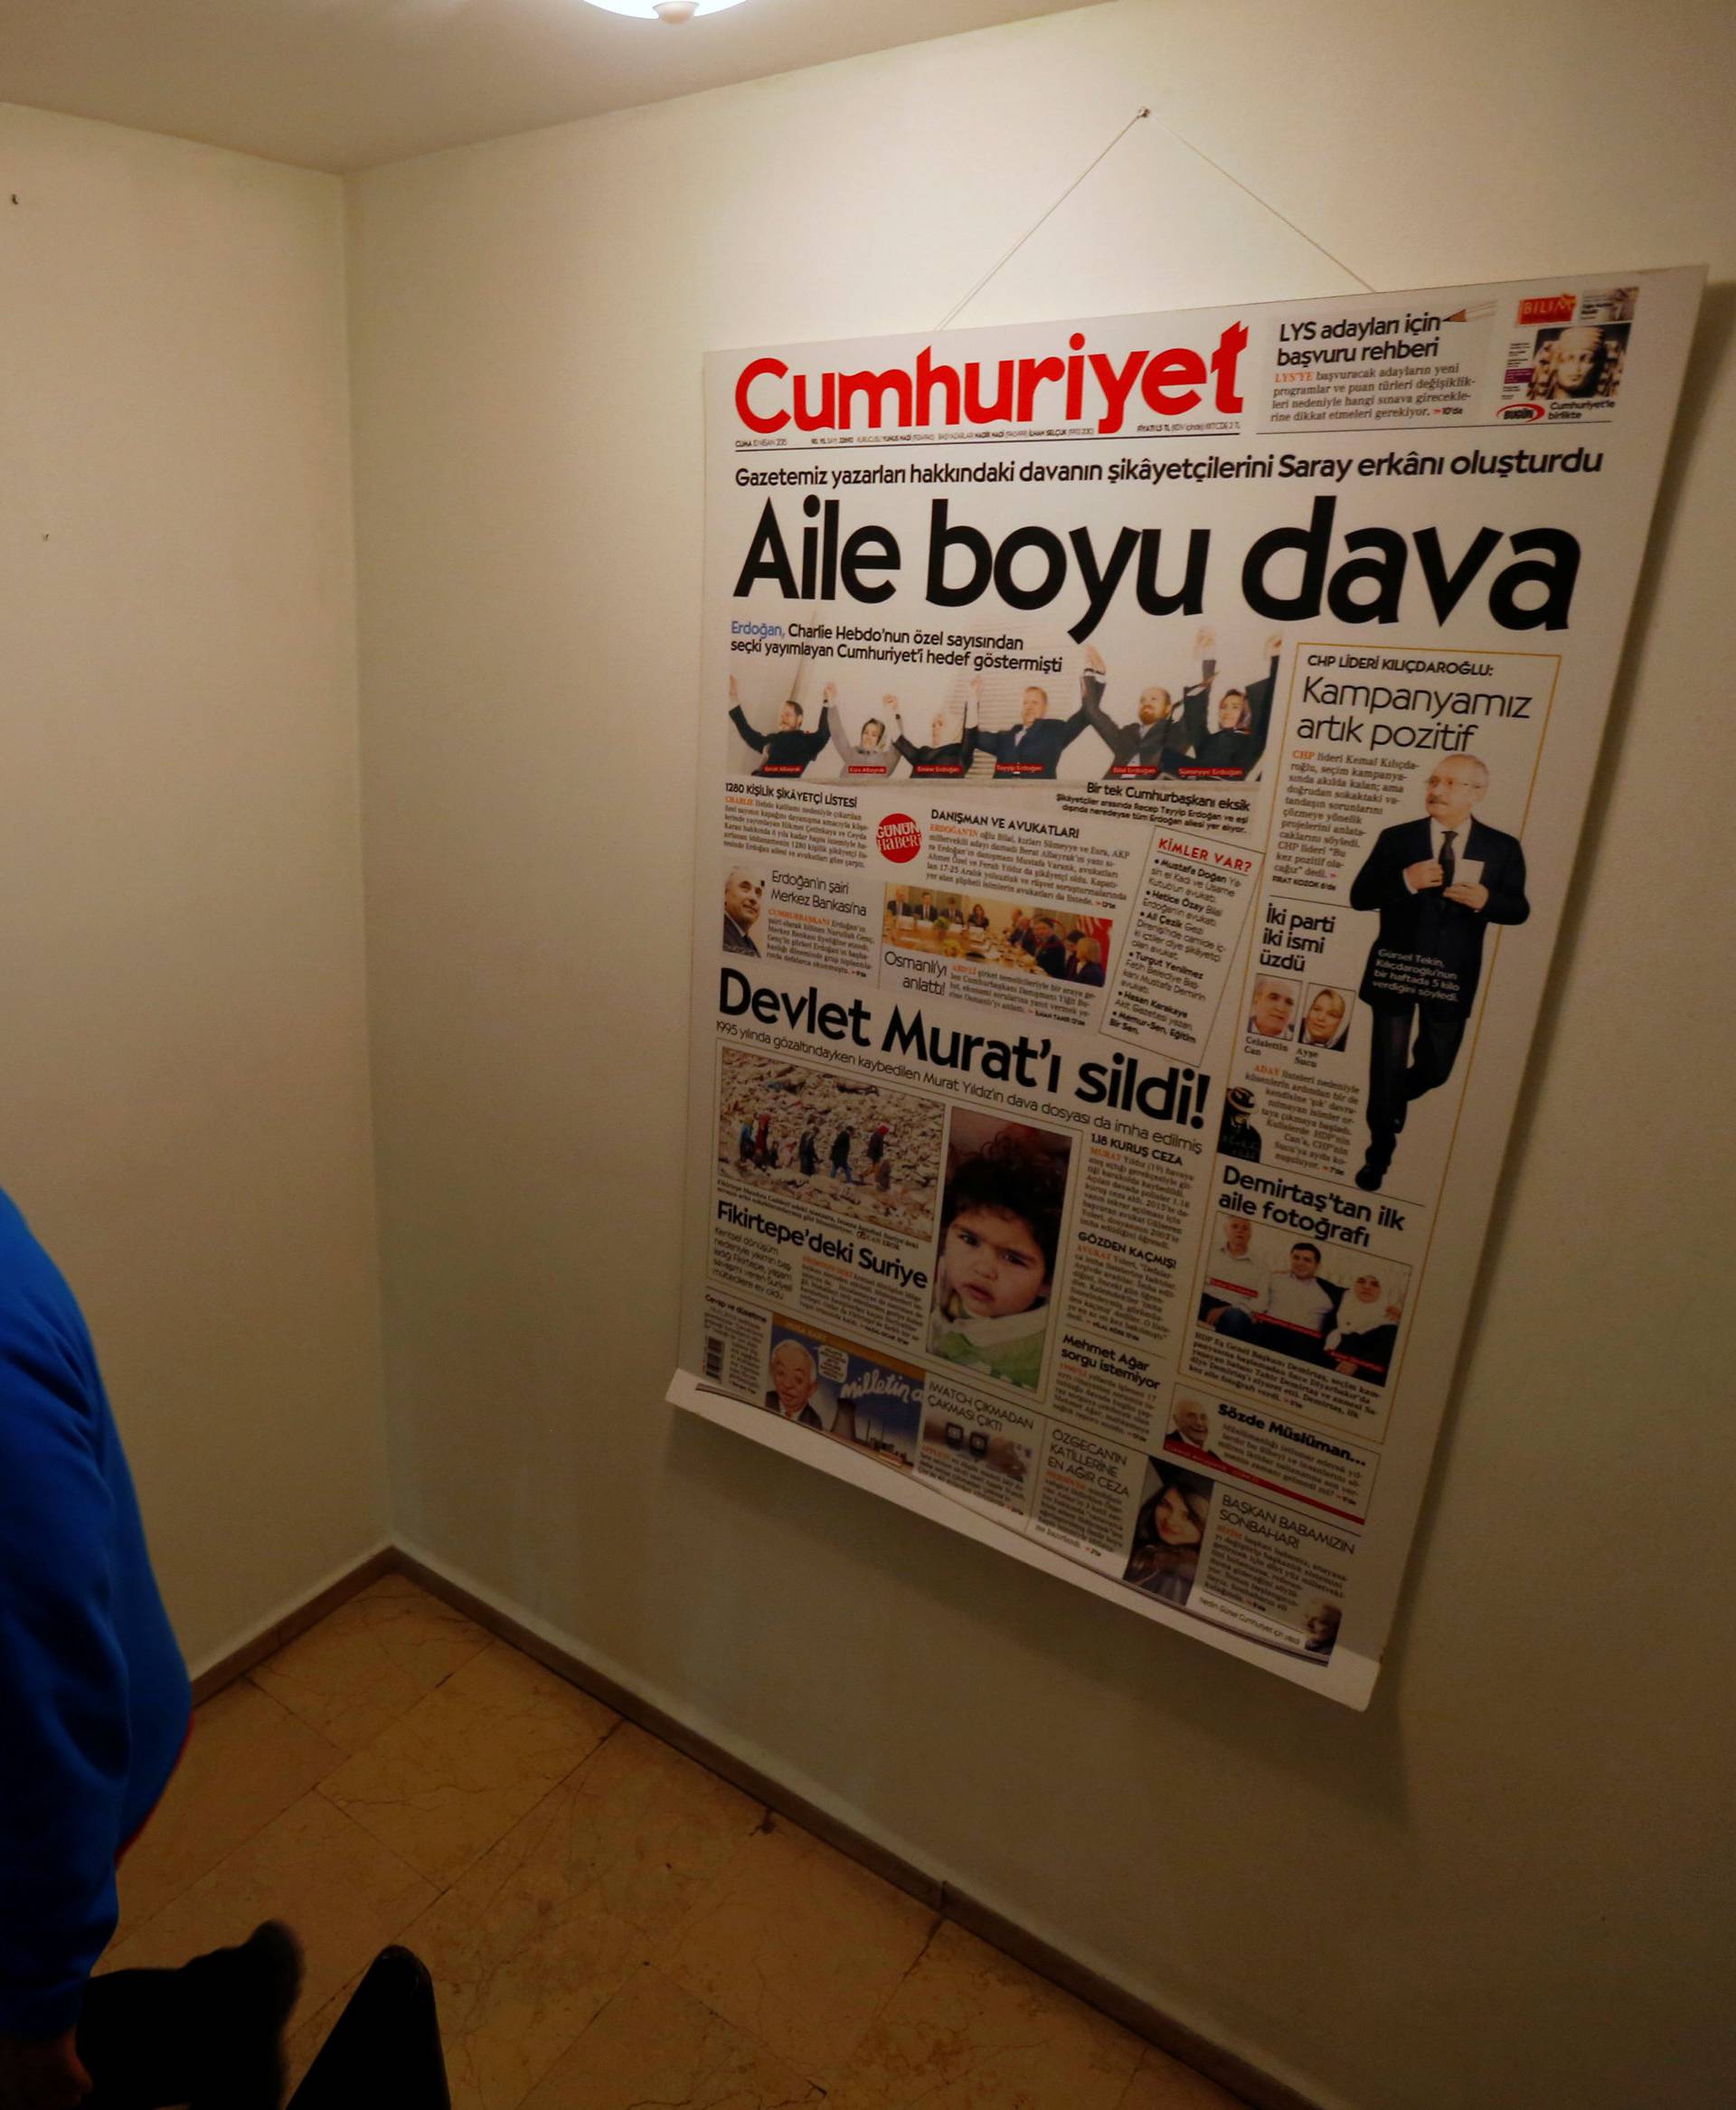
(1142, 765)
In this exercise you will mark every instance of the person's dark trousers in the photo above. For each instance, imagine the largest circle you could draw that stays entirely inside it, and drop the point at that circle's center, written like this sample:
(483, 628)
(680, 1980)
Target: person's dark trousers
(1397, 1073)
(384, 2050)
(1294, 1342)
(209, 2034)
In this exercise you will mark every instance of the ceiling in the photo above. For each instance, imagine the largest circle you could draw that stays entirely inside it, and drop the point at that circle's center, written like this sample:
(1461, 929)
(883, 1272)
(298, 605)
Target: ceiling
(348, 84)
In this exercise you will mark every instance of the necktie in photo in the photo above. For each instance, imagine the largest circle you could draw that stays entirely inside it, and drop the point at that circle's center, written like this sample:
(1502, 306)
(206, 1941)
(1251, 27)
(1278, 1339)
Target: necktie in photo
(1448, 862)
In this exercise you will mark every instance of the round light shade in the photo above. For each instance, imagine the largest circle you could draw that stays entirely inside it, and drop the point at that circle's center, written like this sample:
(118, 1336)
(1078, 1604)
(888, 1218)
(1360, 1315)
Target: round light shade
(647, 10)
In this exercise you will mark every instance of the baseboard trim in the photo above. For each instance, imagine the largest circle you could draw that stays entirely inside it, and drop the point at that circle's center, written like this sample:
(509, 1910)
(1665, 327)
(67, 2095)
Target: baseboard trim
(279, 1631)
(1228, 2069)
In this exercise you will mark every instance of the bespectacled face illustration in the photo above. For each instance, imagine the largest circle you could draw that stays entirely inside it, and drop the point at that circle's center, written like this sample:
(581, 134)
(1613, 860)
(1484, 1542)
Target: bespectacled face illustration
(793, 1376)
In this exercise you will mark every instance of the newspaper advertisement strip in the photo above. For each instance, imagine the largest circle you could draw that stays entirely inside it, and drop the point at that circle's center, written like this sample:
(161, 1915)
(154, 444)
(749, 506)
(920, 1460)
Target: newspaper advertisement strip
(1142, 765)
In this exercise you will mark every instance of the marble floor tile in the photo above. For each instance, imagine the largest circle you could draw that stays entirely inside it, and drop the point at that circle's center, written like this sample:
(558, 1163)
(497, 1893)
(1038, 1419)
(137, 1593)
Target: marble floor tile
(371, 1661)
(655, 2044)
(520, 1964)
(247, 1762)
(797, 1945)
(970, 2029)
(458, 1772)
(548, 1925)
(608, 1925)
(1163, 2083)
(646, 1828)
(345, 1894)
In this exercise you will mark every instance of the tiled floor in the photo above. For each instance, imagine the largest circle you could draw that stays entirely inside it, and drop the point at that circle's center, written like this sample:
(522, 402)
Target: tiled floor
(608, 1925)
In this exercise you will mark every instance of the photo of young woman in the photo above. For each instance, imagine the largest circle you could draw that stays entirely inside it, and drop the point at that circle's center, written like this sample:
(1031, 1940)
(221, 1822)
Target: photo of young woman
(1169, 1533)
(1000, 1229)
(1325, 1024)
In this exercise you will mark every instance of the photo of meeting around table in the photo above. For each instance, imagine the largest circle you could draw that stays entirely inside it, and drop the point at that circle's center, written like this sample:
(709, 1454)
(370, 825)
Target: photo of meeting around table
(1024, 937)
(1338, 1309)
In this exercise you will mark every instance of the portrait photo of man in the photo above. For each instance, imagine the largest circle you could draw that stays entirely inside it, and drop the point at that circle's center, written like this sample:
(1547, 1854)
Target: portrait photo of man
(787, 751)
(1272, 1009)
(797, 1392)
(1437, 884)
(1034, 747)
(744, 892)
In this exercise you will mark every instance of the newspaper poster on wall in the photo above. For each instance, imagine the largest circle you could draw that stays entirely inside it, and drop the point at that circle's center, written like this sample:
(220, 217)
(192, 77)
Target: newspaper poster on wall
(1142, 761)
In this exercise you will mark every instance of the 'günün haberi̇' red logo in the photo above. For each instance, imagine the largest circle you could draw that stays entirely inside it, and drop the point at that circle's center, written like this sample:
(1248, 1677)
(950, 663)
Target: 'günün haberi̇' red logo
(900, 838)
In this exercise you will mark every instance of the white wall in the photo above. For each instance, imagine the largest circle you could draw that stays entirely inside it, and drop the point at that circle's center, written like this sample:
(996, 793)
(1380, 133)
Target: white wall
(184, 1094)
(1499, 1887)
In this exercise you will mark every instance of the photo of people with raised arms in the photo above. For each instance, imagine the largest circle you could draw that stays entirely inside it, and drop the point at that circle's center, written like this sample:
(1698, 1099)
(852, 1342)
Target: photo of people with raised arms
(1437, 884)
(875, 752)
(1000, 1234)
(1174, 1510)
(1325, 1023)
(1154, 742)
(1032, 747)
(1021, 937)
(787, 751)
(1226, 739)
(949, 752)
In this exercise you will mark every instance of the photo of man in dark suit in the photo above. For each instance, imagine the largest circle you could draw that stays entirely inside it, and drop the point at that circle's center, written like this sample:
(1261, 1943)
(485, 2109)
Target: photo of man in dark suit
(1048, 948)
(1034, 745)
(744, 890)
(941, 757)
(787, 751)
(1154, 742)
(1437, 884)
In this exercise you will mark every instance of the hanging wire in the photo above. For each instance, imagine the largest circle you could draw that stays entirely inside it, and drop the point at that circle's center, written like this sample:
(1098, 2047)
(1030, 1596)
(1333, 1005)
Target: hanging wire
(1265, 204)
(1199, 154)
(1030, 230)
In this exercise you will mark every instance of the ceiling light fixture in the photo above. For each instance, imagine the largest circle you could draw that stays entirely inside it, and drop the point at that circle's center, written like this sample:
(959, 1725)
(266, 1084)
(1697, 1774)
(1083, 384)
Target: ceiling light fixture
(664, 9)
